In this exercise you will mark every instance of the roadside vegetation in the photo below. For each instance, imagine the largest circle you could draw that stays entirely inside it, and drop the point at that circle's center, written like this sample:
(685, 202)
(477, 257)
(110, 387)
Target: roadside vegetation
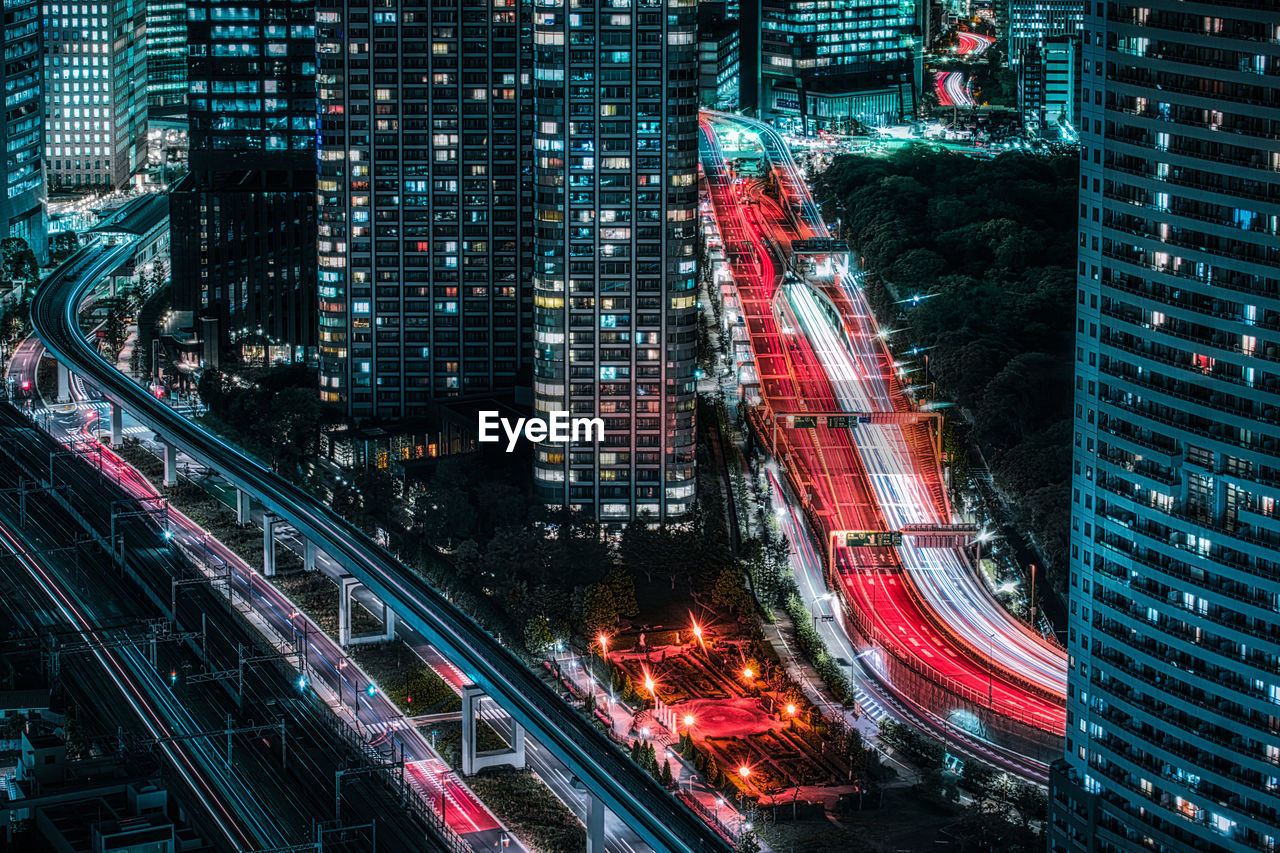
(527, 806)
(273, 413)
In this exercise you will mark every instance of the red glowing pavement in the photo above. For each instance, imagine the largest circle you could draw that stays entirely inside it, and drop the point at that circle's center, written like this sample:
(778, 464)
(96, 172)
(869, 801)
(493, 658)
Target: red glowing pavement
(438, 785)
(827, 471)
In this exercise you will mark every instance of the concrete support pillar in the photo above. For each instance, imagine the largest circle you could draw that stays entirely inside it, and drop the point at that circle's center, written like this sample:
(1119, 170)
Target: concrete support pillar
(117, 425)
(346, 637)
(268, 544)
(595, 824)
(347, 586)
(308, 555)
(474, 760)
(170, 464)
(244, 506)
(64, 383)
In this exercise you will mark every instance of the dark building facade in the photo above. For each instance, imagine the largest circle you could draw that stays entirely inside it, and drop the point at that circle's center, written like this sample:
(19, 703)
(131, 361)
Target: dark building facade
(1173, 706)
(423, 202)
(244, 218)
(614, 278)
(22, 212)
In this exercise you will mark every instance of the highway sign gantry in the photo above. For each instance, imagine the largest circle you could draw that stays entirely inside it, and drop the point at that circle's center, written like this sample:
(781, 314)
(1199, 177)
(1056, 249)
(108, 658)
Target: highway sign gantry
(871, 538)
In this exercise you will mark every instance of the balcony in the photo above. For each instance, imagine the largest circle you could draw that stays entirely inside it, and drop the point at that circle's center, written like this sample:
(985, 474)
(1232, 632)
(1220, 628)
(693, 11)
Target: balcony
(1175, 179)
(1164, 84)
(1202, 157)
(1269, 385)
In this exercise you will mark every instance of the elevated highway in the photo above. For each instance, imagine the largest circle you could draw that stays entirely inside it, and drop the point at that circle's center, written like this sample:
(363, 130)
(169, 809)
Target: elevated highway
(611, 779)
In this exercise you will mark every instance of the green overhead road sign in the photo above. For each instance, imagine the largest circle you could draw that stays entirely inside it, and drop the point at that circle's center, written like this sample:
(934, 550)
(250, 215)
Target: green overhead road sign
(811, 421)
(872, 539)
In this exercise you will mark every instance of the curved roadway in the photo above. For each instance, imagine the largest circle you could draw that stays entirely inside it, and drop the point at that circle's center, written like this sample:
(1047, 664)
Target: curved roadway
(1029, 678)
(972, 44)
(623, 787)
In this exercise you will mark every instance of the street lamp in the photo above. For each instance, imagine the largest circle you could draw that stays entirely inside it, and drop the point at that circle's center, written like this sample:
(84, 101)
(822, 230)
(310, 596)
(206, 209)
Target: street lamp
(946, 733)
(688, 721)
(991, 664)
(1031, 596)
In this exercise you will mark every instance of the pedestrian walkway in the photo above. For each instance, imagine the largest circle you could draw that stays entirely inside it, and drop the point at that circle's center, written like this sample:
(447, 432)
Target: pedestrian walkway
(124, 361)
(627, 726)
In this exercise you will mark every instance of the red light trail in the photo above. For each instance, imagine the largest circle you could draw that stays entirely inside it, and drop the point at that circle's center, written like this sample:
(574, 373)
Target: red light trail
(905, 601)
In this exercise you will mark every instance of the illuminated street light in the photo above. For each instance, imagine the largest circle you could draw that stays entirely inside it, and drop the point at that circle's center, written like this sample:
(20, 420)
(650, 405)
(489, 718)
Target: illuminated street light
(688, 720)
(791, 710)
(744, 771)
(747, 673)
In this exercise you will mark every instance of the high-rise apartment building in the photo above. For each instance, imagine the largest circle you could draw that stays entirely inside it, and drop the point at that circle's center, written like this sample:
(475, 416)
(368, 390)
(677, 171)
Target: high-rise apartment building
(1033, 21)
(1173, 708)
(244, 218)
(423, 201)
(1049, 88)
(615, 220)
(95, 87)
(166, 52)
(718, 68)
(22, 211)
(811, 64)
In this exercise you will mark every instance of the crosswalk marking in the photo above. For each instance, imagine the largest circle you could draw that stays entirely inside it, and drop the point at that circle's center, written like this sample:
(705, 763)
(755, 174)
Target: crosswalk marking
(869, 706)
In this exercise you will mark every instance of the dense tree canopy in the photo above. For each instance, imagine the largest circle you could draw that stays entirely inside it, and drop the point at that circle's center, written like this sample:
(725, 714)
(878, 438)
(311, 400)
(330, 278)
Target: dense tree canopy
(17, 263)
(276, 416)
(990, 243)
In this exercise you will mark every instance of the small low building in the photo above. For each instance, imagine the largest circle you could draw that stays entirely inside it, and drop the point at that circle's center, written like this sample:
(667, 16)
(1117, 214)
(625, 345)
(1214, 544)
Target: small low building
(23, 703)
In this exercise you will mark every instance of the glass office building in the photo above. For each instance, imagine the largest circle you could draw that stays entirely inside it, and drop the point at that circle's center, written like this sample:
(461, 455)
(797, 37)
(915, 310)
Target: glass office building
(423, 202)
(22, 211)
(811, 64)
(95, 72)
(1032, 21)
(1173, 736)
(166, 52)
(615, 88)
